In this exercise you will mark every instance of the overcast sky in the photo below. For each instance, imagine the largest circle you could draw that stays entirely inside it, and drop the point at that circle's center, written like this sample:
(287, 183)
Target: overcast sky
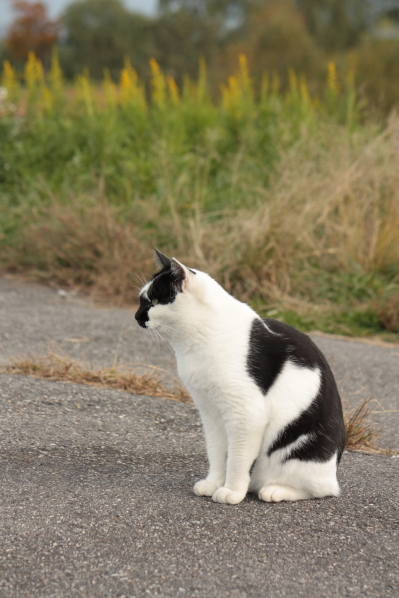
(55, 8)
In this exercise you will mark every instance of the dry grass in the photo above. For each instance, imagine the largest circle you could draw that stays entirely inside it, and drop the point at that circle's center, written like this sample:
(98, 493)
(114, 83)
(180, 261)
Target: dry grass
(84, 246)
(56, 366)
(333, 207)
(361, 434)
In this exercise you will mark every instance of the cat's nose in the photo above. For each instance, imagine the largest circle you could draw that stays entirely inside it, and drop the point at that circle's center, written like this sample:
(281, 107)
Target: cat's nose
(139, 313)
(141, 316)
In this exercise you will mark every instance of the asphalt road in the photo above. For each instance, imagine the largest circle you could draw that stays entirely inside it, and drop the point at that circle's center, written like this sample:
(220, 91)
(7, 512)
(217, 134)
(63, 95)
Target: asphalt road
(96, 485)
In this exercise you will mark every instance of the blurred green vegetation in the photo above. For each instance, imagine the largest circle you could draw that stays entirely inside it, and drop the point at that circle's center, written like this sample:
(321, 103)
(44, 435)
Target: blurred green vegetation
(256, 139)
(287, 196)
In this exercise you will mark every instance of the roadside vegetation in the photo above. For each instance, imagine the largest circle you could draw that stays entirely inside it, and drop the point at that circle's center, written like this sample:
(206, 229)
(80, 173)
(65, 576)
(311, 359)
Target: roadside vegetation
(288, 198)
(58, 366)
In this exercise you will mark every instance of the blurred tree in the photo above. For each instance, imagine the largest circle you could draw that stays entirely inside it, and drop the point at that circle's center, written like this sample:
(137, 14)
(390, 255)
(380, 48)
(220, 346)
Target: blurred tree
(336, 24)
(226, 14)
(182, 38)
(99, 34)
(31, 30)
(205, 7)
(275, 39)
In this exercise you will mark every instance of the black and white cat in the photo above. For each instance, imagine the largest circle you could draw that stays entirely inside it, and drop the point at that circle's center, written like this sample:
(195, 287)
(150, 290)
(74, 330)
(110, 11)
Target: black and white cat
(268, 400)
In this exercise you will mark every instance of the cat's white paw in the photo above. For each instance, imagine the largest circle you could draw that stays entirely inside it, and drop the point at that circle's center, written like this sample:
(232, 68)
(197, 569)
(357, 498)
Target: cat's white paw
(205, 488)
(276, 493)
(226, 496)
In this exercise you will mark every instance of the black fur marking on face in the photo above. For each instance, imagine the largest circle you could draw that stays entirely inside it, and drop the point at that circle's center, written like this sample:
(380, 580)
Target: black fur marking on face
(164, 287)
(323, 420)
(163, 290)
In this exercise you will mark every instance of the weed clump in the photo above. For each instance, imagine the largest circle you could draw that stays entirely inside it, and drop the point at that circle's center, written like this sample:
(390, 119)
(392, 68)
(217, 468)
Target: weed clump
(58, 366)
(361, 434)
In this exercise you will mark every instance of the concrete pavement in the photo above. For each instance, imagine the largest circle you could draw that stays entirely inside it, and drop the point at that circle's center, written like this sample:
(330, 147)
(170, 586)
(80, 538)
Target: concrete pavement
(96, 485)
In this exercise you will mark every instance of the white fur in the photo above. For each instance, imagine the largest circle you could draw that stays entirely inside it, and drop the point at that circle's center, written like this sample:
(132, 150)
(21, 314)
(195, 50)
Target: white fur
(209, 331)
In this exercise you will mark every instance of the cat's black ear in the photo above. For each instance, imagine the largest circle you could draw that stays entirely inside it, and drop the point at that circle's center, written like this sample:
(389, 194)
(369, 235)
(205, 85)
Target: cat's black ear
(161, 261)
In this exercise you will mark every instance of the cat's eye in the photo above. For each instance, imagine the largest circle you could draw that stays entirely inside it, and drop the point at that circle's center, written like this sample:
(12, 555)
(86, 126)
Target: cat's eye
(154, 301)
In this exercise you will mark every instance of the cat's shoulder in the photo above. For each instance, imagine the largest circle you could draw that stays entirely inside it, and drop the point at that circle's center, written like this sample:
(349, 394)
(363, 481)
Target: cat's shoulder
(272, 344)
(279, 336)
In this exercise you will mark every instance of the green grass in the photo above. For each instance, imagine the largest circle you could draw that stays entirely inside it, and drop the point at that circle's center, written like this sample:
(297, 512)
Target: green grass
(289, 201)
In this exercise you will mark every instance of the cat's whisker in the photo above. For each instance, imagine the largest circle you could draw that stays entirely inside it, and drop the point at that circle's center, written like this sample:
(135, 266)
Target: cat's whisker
(154, 336)
(138, 283)
(159, 335)
(164, 326)
(139, 280)
(141, 277)
(166, 342)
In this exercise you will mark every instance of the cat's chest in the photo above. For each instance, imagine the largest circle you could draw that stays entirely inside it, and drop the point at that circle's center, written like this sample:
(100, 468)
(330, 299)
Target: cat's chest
(214, 366)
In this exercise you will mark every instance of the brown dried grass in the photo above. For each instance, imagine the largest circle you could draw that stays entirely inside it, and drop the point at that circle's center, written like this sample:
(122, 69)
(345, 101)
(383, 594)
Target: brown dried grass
(361, 434)
(60, 367)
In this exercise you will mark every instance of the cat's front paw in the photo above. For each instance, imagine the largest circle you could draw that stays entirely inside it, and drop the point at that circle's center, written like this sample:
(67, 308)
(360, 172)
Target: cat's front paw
(226, 496)
(205, 488)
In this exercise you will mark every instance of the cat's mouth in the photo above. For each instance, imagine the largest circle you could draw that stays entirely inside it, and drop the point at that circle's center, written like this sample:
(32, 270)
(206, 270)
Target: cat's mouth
(142, 319)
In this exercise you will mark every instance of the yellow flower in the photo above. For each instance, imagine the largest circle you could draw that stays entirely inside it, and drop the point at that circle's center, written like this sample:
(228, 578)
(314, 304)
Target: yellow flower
(158, 83)
(332, 79)
(33, 71)
(131, 89)
(173, 90)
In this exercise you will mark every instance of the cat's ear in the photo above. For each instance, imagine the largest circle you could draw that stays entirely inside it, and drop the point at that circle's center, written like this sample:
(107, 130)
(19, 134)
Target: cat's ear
(161, 261)
(180, 273)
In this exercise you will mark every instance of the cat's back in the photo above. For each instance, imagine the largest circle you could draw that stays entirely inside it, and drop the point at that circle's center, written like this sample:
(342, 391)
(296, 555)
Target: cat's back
(272, 344)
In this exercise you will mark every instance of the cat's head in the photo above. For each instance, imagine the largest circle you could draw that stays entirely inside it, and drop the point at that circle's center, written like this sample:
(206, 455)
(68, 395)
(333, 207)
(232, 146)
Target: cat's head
(168, 294)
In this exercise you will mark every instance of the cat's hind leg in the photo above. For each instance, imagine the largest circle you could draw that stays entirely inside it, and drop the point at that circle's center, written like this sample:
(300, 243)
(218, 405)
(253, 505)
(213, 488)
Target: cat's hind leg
(277, 493)
(295, 480)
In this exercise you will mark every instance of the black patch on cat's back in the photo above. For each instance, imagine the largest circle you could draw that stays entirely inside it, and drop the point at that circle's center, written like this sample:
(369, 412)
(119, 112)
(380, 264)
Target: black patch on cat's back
(271, 345)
